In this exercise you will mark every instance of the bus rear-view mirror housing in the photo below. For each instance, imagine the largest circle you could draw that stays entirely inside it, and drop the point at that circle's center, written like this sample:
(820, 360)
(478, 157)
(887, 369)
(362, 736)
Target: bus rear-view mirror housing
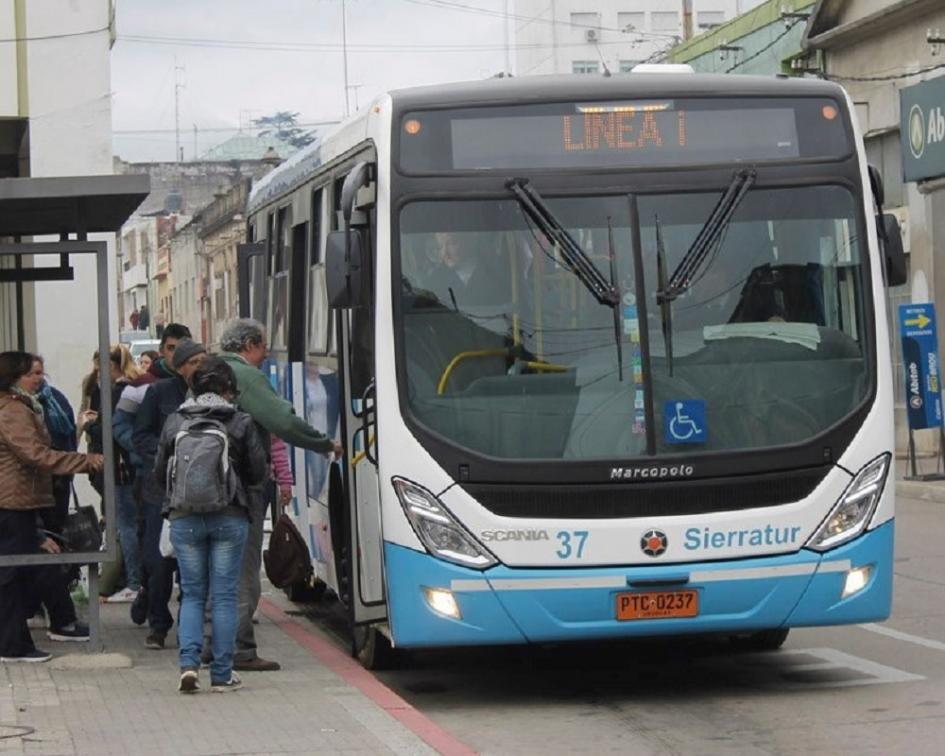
(894, 257)
(343, 267)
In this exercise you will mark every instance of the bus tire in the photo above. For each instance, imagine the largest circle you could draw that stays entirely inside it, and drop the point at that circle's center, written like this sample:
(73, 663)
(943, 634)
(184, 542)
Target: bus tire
(372, 648)
(765, 640)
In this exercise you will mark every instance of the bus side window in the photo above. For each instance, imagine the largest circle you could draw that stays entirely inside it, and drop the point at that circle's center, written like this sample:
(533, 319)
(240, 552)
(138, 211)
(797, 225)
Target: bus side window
(297, 257)
(319, 315)
(279, 288)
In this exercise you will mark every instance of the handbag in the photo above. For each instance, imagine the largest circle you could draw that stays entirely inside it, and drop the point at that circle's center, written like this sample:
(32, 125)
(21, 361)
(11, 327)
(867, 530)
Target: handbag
(81, 531)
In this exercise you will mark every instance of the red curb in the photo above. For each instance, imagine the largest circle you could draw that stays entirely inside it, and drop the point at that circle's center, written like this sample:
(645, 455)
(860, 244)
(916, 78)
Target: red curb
(353, 673)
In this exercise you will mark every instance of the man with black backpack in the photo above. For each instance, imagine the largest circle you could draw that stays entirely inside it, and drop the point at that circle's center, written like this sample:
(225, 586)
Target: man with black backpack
(209, 456)
(160, 402)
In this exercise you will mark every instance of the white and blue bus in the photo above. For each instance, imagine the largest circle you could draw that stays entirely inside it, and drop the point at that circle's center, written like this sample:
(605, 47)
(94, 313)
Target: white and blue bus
(609, 357)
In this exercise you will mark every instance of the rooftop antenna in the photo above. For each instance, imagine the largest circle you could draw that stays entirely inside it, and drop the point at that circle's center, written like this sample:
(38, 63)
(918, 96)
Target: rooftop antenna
(178, 86)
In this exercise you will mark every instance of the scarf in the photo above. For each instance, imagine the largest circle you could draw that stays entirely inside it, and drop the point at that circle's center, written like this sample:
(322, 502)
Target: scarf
(59, 422)
(207, 400)
(34, 402)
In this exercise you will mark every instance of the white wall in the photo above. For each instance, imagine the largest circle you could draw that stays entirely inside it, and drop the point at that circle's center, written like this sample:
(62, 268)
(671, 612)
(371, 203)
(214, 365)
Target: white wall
(8, 89)
(69, 101)
(543, 47)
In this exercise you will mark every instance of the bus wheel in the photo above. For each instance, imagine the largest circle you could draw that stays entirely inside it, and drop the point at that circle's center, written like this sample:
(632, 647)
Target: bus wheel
(766, 640)
(372, 648)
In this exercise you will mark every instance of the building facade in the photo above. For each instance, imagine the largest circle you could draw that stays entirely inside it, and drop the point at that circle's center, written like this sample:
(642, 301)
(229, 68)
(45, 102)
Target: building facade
(222, 229)
(880, 52)
(596, 36)
(764, 41)
(55, 120)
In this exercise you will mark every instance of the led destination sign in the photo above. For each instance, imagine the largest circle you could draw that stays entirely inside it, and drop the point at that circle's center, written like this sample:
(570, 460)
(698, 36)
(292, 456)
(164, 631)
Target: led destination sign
(632, 133)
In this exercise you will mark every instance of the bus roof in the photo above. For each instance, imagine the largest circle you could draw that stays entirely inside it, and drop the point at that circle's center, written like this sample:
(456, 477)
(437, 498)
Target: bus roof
(581, 87)
(522, 90)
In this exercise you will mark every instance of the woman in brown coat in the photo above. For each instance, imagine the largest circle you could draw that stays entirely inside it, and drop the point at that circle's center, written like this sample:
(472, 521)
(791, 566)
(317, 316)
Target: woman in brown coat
(27, 464)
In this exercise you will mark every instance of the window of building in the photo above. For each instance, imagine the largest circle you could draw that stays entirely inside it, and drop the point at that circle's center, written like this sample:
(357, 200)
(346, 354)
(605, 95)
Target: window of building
(710, 19)
(585, 20)
(585, 67)
(664, 21)
(635, 20)
(628, 65)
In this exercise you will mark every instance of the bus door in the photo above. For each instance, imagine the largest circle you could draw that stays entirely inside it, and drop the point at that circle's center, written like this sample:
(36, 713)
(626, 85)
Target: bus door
(350, 264)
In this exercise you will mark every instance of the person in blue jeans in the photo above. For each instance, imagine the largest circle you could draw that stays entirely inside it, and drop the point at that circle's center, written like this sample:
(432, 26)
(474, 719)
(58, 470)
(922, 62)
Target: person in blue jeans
(209, 534)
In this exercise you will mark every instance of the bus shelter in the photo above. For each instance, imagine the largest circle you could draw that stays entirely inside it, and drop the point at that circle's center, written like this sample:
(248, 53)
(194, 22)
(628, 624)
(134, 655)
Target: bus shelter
(69, 208)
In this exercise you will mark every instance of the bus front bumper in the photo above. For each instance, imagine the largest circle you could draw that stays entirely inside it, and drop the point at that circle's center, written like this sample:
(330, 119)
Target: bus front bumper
(516, 605)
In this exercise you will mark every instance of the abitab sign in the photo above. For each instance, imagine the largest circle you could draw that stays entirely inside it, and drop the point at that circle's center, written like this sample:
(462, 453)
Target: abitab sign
(922, 129)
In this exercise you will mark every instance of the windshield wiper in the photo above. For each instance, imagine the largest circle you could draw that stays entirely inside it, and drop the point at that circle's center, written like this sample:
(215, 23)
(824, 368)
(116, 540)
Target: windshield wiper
(710, 233)
(601, 289)
(604, 291)
(666, 306)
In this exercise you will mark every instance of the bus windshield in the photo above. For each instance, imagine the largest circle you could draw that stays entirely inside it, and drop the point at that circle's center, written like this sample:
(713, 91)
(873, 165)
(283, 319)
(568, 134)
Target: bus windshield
(507, 354)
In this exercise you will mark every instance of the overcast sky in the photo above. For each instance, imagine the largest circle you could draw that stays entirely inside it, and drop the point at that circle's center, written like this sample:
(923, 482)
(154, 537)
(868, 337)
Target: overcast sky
(223, 86)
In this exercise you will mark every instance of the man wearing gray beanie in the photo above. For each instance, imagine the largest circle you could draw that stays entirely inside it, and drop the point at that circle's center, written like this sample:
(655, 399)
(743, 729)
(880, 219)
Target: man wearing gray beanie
(161, 400)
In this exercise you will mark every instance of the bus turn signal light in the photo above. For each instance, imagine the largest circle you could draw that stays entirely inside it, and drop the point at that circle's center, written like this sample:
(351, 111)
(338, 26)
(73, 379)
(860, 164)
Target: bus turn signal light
(413, 127)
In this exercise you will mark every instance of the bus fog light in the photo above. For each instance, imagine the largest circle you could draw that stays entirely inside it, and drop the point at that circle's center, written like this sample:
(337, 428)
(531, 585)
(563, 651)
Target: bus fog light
(851, 514)
(441, 534)
(856, 581)
(442, 602)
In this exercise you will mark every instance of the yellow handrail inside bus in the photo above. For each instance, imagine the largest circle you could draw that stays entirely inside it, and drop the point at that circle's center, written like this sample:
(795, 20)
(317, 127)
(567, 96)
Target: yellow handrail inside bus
(363, 453)
(444, 379)
(547, 367)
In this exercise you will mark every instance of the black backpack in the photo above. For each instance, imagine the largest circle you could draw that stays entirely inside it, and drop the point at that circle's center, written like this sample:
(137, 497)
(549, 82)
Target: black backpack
(287, 559)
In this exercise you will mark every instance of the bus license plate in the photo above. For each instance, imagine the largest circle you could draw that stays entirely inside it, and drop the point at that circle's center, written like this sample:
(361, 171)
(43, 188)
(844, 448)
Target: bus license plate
(657, 605)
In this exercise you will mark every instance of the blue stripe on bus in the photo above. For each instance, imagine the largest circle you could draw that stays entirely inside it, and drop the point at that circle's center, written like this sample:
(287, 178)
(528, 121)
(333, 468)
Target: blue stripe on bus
(511, 605)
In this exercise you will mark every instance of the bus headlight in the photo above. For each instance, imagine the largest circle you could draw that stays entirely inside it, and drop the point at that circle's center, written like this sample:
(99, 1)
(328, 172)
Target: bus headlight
(851, 514)
(438, 530)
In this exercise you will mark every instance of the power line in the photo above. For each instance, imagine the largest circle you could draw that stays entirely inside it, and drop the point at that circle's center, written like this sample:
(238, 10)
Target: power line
(332, 47)
(56, 36)
(451, 5)
(217, 129)
(890, 77)
(764, 49)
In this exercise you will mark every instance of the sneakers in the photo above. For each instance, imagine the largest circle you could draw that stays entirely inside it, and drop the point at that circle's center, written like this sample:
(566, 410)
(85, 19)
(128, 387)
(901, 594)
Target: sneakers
(234, 683)
(155, 641)
(124, 596)
(30, 657)
(139, 608)
(77, 632)
(189, 681)
(256, 665)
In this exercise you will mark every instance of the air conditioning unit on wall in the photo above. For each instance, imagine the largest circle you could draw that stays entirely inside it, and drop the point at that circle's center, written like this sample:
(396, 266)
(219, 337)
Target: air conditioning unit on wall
(591, 35)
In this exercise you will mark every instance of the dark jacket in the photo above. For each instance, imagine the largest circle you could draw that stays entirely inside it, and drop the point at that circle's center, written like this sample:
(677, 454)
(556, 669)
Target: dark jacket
(247, 452)
(160, 402)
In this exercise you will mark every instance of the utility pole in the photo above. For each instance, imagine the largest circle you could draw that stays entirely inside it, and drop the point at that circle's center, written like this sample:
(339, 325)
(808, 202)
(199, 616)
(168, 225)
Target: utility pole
(178, 85)
(195, 142)
(508, 50)
(344, 54)
(687, 20)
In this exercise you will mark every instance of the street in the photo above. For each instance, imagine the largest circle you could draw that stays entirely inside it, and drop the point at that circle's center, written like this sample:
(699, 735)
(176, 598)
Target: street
(861, 689)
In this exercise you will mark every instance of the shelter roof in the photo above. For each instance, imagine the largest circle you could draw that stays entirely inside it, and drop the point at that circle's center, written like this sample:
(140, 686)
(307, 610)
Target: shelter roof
(69, 204)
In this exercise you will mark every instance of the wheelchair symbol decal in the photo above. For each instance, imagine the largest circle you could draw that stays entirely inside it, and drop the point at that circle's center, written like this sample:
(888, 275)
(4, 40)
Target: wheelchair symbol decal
(684, 421)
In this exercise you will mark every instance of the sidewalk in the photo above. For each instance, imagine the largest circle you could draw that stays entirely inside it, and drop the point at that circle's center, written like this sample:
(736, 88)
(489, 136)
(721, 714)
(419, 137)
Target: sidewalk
(929, 490)
(126, 701)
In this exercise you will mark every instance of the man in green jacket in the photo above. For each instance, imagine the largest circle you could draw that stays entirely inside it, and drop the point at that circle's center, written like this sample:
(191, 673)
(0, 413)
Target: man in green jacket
(245, 349)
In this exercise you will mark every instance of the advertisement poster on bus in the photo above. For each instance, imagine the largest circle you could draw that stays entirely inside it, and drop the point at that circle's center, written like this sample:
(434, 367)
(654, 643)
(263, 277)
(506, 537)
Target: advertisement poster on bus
(921, 364)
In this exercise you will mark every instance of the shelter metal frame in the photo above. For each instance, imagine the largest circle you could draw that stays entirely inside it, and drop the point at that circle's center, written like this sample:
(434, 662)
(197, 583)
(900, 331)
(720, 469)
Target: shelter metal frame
(62, 206)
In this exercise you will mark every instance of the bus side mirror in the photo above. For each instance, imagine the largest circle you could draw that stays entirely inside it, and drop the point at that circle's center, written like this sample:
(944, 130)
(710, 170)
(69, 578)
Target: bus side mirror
(894, 257)
(343, 267)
